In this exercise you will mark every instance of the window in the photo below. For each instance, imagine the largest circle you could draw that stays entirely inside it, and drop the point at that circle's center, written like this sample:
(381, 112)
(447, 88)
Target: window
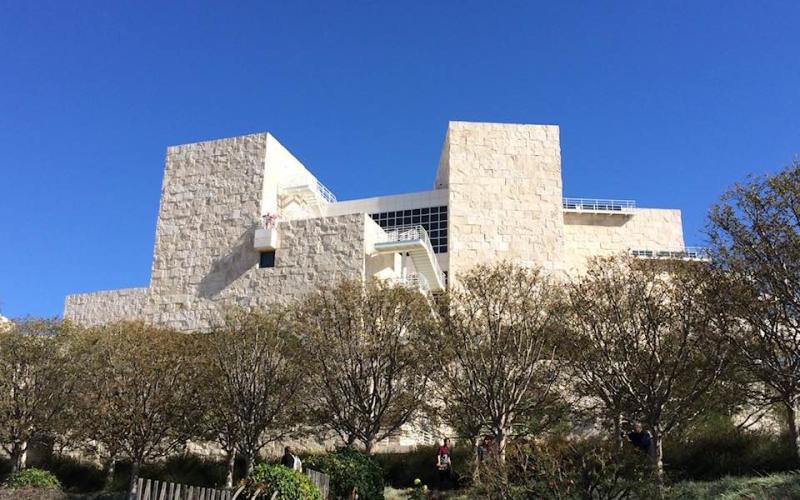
(267, 259)
(433, 219)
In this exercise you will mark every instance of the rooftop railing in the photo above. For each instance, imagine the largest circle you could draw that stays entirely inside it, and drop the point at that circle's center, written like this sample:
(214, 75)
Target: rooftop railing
(688, 253)
(598, 205)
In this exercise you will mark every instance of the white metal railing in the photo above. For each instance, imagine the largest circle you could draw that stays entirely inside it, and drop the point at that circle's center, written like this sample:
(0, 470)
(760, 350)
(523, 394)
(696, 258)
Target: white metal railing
(325, 193)
(413, 233)
(311, 185)
(412, 280)
(598, 205)
(688, 253)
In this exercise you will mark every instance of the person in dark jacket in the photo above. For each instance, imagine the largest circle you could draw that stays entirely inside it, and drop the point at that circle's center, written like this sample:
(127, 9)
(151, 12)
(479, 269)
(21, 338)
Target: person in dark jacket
(640, 438)
(290, 460)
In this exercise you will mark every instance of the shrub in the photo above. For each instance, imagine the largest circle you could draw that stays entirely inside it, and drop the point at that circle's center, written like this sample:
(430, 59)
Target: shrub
(401, 469)
(717, 449)
(560, 468)
(774, 486)
(289, 484)
(73, 474)
(350, 469)
(32, 478)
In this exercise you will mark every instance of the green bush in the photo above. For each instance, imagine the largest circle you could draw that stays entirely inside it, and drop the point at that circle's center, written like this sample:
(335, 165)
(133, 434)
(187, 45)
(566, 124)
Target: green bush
(561, 468)
(349, 469)
(400, 469)
(785, 485)
(32, 478)
(290, 484)
(75, 475)
(717, 449)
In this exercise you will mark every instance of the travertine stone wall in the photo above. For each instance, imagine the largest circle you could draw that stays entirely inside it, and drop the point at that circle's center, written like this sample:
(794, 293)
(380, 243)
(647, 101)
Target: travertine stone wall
(505, 194)
(204, 260)
(591, 235)
(98, 307)
(210, 203)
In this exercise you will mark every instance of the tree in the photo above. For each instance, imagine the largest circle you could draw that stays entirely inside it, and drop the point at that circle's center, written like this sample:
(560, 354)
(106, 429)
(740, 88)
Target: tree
(755, 234)
(367, 357)
(648, 341)
(139, 401)
(254, 386)
(34, 384)
(498, 364)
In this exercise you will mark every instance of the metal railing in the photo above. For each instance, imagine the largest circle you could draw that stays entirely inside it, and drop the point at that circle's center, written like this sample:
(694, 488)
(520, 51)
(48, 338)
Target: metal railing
(412, 280)
(412, 233)
(312, 185)
(688, 253)
(598, 205)
(325, 193)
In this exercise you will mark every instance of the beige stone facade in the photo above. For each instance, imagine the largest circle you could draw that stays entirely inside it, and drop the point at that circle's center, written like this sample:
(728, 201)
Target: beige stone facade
(497, 196)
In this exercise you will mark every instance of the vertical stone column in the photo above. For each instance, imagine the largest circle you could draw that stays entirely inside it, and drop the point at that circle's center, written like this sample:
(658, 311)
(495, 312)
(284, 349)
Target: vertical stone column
(505, 194)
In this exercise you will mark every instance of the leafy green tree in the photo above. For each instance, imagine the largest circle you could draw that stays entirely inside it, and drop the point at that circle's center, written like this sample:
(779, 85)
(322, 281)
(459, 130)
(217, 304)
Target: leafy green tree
(755, 234)
(35, 385)
(253, 385)
(497, 360)
(648, 341)
(368, 358)
(140, 400)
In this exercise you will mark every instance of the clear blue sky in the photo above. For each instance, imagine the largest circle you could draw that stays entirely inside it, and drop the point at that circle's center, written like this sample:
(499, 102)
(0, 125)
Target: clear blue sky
(663, 102)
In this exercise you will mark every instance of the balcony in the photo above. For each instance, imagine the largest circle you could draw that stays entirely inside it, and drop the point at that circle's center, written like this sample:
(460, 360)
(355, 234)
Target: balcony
(598, 206)
(688, 253)
(266, 238)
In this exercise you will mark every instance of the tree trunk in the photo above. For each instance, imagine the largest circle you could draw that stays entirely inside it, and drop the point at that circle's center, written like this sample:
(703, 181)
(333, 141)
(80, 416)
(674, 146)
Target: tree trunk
(19, 456)
(502, 440)
(134, 477)
(231, 465)
(369, 444)
(791, 420)
(110, 470)
(657, 454)
(249, 461)
(618, 430)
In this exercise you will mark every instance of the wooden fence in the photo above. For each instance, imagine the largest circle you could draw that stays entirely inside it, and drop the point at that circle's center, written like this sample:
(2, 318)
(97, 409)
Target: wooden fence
(149, 489)
(321, 481)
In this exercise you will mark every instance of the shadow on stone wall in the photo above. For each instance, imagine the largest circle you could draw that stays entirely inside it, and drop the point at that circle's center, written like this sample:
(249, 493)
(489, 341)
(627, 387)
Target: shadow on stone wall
(227, 269)
(571, 219)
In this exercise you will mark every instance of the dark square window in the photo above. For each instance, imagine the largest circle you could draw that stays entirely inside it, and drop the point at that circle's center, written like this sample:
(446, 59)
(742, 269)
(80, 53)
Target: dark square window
(415, 211)
(267, 259)
(426, 211)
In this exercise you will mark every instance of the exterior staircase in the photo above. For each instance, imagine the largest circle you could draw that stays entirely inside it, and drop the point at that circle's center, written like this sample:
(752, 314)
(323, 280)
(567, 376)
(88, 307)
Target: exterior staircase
(414, 241)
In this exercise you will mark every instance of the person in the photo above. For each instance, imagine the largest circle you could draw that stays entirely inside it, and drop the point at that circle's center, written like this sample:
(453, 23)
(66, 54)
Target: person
(290, 460)
(484, 449)
(640, 438)
(443, 464)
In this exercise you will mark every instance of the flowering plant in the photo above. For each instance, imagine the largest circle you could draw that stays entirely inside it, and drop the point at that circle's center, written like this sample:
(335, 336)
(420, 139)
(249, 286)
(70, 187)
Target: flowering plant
(269, 220)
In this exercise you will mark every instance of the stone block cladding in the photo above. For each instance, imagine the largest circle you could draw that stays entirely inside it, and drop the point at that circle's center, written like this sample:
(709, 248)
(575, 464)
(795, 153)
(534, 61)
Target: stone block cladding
(505, 194)
(204, 257)
(594, 235)
(501, 184)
